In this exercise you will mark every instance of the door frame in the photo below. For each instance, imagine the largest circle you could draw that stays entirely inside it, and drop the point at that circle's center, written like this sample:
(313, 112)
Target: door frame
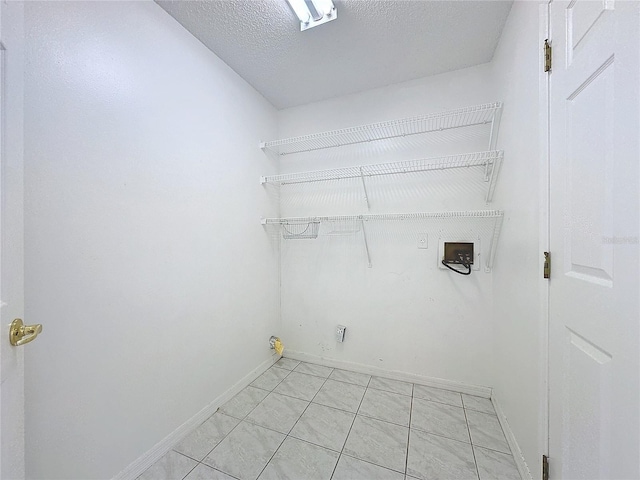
(544, 109)
(12, 444)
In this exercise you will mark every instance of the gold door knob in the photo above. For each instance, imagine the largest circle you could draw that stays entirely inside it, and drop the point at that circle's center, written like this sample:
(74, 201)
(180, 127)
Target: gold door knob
(19, 333)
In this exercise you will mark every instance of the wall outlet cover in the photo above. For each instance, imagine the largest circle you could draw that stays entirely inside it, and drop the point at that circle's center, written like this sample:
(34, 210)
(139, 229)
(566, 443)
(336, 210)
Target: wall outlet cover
(463, 238)
(340, 333)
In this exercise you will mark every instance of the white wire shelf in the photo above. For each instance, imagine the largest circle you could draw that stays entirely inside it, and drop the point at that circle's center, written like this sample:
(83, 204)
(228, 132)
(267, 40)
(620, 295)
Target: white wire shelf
(490, 161)
(495, 215)
(488, 113)
(387, 216)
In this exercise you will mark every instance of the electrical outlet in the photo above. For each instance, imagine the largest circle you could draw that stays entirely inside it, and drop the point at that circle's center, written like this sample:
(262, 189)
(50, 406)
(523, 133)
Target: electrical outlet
(423, 240)
(340, 333)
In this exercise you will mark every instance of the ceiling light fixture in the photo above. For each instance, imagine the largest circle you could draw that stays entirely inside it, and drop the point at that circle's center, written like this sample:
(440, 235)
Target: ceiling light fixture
(313, 12)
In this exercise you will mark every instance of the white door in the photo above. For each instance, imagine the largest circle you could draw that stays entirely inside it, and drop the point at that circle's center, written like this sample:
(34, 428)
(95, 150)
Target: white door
(594, 357)
(11, 242)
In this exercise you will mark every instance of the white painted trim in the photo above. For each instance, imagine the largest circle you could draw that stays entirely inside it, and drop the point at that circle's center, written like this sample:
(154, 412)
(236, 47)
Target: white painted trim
(138, 466)
(523, 468)
(461, 387)
(544, 213)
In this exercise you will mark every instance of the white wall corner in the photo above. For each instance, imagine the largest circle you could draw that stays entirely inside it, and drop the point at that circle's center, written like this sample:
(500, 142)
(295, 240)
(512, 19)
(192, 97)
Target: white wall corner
(461, 387)
(138, 466)
(518, 457)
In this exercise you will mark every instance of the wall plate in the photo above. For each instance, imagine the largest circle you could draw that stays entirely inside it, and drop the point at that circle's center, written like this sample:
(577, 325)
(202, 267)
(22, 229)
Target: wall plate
(453, 250)
(423, 240)
(463, 238)
(340, 329)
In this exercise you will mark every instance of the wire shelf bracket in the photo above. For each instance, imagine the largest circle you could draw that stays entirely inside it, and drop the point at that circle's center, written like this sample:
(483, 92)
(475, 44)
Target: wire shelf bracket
(364, 188)
(463, 117)
(490, 161)
(366, 244)
(495, 215)
(493, 244)
(493, 136)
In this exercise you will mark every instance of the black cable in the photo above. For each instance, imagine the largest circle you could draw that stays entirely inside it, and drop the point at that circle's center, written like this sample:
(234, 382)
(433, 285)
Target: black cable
(468, 272)
(464, 264)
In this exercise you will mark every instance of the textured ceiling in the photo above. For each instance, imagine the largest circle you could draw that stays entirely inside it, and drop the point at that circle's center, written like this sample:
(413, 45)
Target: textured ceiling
(371, 43)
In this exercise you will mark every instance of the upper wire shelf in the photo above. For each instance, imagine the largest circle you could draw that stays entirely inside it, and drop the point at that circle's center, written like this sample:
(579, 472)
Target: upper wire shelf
(488, 113)
(490, 161)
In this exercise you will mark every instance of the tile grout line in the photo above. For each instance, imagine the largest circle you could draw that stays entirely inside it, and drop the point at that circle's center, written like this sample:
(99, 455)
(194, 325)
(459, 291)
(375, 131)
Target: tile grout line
(194, 467)
(217, 443)
(406, 458)
(313, 374)
(274, 454)
(185, 455)
(371, 463)
(341, 452)
(314, 444)
(492, 450)
(391, 391)
(294, 425)
(387, 421)
(501, 431)
(473, 452)
(307, 407)
(322, 404)
(198, 462)
(215, 470)
(437, 401)
(350, 383)
(279, 382)
(444, 436)
(484, 413)
(321, 446)
(355, 415)
(351, 427)
(240, 421)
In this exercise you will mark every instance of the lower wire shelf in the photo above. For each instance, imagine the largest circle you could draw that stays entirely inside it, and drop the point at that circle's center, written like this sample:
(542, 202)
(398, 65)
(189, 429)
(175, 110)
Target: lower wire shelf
(309, 226)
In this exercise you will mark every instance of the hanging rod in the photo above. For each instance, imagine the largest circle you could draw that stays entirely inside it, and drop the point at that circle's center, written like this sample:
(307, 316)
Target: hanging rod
(462, 117)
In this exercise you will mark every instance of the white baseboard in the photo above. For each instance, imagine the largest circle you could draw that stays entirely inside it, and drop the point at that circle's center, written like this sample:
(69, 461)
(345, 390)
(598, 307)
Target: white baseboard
(461, 387)
(523, 468)
(138, 466)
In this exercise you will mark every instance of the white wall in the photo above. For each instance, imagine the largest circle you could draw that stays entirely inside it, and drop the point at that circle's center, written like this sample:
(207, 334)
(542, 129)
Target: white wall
(145, 258)
(404, 314)
(157, 286)
(517, 290)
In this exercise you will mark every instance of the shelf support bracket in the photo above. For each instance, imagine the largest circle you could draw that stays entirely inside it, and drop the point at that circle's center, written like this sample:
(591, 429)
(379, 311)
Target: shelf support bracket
(493, 177)
(366, 244)
(497, 226)
(366, 195)
(493, 138)
(487, 170)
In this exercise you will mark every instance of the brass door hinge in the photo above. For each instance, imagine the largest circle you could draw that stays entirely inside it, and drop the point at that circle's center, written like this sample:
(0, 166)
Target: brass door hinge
(547, 264)
(547, 56)
(545, 467)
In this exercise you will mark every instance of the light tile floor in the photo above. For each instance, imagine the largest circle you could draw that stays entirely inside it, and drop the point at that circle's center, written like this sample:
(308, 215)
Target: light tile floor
(300, 421)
